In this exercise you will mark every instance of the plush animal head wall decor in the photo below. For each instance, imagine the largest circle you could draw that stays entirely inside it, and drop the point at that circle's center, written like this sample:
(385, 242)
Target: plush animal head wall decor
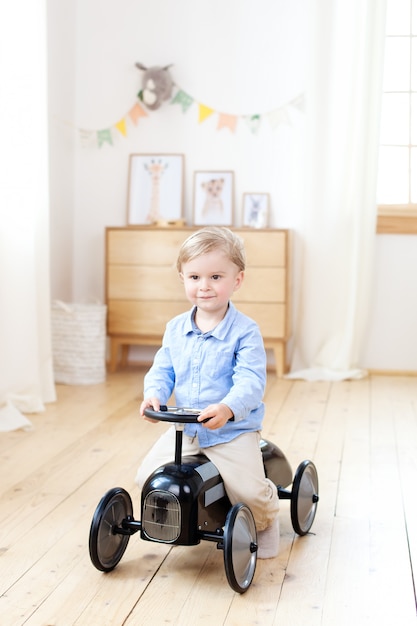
(157, 85)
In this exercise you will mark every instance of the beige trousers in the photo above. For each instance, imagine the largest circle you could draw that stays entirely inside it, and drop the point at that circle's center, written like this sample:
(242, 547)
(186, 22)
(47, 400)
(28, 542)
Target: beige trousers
(240, 465)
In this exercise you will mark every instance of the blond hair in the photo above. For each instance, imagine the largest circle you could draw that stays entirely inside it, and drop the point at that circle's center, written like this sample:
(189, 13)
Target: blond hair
(212, 238)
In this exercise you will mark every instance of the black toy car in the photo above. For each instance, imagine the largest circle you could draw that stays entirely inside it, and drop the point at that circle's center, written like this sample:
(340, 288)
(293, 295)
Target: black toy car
(185, 502)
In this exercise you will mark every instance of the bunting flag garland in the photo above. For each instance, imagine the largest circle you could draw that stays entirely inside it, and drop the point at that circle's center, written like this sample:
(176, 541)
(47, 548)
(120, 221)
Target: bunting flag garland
(87, 137)
(108, 136)
(280, 116)
(298, 103)
(136, 112)
(121, 127)
(227, 121)
(204, 112)
(253, 122)
(183, 99)
(104, 136)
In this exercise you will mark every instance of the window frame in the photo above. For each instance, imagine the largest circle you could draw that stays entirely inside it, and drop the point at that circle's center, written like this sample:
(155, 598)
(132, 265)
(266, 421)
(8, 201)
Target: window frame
(400, 219)
(397, 219)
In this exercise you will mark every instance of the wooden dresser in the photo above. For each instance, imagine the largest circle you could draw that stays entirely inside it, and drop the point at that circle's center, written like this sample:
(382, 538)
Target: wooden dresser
(143, 290)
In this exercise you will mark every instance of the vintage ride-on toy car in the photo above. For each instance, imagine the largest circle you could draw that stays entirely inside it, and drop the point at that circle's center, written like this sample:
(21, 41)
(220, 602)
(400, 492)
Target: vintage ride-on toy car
(185, 502)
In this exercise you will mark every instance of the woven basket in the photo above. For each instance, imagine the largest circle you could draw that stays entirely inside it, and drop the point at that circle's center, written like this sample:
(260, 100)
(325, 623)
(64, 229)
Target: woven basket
(79, 343)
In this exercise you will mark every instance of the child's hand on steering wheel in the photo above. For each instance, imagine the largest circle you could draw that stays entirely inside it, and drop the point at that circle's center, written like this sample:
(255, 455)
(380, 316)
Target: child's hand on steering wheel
(215, 416)
(149, 403)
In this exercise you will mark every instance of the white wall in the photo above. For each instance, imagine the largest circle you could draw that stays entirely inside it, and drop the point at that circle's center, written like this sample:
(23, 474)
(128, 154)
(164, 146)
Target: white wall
(241, 57)
(392, 336)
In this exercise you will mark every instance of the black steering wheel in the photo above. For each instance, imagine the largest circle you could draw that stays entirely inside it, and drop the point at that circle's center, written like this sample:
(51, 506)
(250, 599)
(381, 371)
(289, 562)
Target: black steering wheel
(176, 414)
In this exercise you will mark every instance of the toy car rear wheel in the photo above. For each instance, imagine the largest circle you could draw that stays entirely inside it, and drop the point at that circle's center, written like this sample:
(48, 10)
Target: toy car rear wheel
(107, 546)
(304, 497)
(240, 547)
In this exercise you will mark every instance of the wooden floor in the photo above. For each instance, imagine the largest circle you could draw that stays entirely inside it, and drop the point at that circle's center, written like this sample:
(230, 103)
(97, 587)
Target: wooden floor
(357, 566)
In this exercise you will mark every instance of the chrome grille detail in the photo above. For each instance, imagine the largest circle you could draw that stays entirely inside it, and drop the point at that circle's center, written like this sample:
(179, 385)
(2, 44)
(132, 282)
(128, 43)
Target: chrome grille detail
(161, 516)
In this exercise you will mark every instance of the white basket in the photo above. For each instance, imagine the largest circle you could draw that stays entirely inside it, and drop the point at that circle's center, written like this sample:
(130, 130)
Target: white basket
(79, 343)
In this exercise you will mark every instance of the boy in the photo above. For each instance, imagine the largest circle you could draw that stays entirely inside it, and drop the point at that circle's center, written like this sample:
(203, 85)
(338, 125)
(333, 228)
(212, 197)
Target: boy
(214, 359)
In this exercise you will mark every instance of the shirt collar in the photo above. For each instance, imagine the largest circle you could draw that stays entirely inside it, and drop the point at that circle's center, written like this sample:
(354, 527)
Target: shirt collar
(220, 331)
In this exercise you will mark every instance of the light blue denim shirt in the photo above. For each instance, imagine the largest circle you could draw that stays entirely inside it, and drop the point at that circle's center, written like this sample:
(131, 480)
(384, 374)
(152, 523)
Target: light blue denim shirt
(227, 364)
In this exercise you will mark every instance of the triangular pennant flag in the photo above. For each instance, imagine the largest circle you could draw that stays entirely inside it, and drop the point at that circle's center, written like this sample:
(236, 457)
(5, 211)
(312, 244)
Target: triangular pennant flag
(299, 103)
(121, 127)
(104, 136)
(136, 112)
(227, 121)
(280, 116)
(253, 121)
(204, 112)
(87, 137)
(183, 99)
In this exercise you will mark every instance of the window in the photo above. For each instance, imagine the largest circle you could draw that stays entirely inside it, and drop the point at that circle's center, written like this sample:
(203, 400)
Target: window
(397, 176)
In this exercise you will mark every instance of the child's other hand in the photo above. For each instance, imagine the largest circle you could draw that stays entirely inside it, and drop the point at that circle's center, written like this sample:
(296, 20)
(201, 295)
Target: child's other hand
(149, 403)
(215, 416)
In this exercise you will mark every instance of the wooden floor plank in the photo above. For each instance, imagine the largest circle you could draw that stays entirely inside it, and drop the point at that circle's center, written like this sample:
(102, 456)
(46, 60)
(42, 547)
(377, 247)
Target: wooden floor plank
(63, 422)
(406, 433)
(389, 522)
(164, 603)
(304, 591)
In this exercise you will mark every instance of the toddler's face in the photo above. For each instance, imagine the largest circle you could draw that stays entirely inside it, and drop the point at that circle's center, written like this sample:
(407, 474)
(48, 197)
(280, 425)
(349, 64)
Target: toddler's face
(210, 280)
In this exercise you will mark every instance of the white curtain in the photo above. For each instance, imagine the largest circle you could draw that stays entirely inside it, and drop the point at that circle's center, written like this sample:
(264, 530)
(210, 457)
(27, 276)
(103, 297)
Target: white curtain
(337, 235)
(26, 376)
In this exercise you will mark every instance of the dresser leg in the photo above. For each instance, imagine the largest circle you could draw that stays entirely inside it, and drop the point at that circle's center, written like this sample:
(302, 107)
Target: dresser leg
(280, 358)
(114, 354)
(125, 355)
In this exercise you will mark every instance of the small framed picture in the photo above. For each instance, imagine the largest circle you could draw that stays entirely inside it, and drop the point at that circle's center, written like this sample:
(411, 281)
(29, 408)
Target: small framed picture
(213, 198)
(255, 210)
(156, 188)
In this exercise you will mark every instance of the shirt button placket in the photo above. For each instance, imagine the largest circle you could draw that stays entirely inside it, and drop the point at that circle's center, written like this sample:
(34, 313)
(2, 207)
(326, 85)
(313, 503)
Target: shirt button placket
(195, 372)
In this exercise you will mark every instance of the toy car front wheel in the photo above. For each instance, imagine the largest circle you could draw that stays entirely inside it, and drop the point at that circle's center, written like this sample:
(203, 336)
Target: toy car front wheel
(107, 545)
(240, 547)
(304, 497)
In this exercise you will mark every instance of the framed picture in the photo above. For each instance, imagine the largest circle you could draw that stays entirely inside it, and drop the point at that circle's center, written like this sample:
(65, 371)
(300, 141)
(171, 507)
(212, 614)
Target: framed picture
(155, 191)
(255, 210)
(213, 198)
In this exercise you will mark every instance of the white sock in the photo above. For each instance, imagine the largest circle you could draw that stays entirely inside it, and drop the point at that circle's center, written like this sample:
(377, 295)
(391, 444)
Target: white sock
(268, 541)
